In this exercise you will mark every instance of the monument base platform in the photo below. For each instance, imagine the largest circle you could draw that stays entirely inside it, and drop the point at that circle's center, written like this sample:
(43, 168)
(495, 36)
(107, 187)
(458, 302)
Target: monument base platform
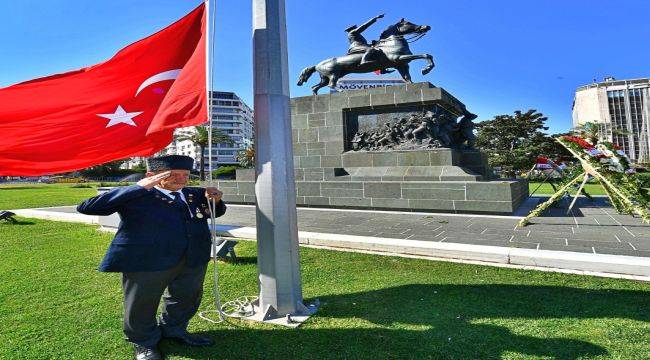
(480, 197)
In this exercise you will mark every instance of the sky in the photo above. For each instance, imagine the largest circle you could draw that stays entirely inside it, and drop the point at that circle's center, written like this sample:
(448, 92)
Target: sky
(495, 56)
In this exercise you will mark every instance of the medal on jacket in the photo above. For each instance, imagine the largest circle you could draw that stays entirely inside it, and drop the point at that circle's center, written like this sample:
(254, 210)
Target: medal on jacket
(199, 214)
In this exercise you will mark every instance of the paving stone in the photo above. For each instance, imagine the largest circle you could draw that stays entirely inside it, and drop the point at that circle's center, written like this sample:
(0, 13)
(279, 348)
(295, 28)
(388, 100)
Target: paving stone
(566, 248)
(624, 252)
(539, 240)
(479, 241)
(640, 244)
(522, 245)
(604, 238)
(599, 244)
(390, 235)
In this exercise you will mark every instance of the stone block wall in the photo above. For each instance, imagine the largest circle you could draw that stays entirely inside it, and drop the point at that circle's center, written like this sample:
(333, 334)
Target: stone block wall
(425, 180)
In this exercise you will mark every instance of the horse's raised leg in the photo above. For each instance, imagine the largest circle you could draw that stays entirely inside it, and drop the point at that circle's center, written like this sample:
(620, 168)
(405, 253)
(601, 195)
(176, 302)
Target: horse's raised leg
(404, 72)
(334, 78)
(427, 57)
(323, 82)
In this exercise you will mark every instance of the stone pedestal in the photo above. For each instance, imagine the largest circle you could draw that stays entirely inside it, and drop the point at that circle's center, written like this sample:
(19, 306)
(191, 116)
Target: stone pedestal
(329, 174)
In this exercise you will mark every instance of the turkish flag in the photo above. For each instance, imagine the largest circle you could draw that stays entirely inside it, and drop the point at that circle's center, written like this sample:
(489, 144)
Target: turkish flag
(126, 106)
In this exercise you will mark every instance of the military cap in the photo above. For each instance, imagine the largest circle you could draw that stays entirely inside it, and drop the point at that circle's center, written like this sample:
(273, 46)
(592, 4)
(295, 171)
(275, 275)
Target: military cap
(170, 162)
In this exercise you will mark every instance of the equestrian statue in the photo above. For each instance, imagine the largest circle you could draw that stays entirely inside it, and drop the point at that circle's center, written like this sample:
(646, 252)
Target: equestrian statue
(391, 51)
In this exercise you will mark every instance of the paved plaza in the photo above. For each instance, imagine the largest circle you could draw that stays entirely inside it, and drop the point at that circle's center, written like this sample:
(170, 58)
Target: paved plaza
(592, 227)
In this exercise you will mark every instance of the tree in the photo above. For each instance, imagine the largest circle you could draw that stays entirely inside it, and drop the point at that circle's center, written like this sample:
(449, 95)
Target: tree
(200, 138)
(108, 169)
(514, 142)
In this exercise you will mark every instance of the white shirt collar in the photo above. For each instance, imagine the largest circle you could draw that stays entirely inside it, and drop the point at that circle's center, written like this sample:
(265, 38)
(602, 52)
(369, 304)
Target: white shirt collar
(169, 193)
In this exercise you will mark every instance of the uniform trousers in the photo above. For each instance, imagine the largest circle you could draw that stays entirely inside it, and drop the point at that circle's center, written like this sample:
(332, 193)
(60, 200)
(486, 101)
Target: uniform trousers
(181, 289)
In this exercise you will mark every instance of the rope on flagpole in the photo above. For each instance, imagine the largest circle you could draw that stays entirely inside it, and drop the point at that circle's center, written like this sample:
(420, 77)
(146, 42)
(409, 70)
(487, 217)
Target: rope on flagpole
(242, 306)
(213, 222)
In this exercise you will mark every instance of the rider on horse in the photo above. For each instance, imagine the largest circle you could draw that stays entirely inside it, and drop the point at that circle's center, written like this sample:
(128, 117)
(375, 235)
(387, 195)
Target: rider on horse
(359, 44)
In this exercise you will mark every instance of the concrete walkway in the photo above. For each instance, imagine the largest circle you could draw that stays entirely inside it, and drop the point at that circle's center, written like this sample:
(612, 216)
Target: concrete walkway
(591, 239)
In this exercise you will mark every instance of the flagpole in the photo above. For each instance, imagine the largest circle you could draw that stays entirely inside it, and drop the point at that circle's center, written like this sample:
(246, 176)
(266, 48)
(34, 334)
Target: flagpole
(209, 27)
(208, 85)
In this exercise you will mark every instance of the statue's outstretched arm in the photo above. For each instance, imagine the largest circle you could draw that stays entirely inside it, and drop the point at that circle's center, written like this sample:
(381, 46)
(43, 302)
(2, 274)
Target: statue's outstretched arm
(367, 24)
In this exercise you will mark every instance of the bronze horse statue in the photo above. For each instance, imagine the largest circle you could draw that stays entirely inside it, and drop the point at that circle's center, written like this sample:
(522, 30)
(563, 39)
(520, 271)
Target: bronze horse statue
(394, 53)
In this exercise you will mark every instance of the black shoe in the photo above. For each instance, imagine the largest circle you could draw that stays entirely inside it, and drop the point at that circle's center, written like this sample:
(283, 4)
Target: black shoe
(191, 339)
(144, 353)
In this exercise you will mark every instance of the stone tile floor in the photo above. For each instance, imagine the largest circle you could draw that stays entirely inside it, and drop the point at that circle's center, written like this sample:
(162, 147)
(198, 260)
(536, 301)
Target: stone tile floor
(592, 227)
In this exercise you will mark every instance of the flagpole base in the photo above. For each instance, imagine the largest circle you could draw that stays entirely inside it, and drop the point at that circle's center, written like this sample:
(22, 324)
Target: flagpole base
(270, 315)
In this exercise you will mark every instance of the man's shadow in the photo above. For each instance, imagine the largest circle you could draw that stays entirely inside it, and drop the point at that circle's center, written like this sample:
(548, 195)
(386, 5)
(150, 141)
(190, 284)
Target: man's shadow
(433, 321)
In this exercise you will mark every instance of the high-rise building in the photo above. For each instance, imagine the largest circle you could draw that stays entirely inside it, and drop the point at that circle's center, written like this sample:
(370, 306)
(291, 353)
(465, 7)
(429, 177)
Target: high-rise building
(621, 109)
(232, 117)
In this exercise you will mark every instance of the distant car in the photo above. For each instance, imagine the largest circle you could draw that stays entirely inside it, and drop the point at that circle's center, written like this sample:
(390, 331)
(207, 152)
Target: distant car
(132, 177)
(46, 180)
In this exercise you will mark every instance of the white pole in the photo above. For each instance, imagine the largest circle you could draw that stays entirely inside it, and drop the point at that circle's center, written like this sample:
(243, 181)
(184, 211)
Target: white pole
(208, 86)
(213, 221)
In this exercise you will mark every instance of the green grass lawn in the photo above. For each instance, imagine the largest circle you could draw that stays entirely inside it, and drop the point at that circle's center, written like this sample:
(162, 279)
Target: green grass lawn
(547, 189)
(55, 305)
(23, 196)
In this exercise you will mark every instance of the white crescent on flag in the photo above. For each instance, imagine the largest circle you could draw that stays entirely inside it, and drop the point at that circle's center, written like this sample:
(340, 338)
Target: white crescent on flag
(165, 75)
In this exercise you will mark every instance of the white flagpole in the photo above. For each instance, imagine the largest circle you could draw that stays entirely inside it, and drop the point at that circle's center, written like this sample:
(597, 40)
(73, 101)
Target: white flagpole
(208, 86)
(213, 222)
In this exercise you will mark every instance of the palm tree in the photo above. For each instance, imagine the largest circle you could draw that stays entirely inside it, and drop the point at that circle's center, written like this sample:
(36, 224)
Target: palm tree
(200, 138)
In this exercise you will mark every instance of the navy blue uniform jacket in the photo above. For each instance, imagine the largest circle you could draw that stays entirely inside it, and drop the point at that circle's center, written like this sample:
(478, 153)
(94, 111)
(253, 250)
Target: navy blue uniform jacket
(154, 232)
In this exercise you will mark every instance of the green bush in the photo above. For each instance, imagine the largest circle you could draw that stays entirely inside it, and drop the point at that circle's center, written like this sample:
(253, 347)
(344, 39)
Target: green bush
(111, 184)
(81, 186)
(643, 179)
(225, 171)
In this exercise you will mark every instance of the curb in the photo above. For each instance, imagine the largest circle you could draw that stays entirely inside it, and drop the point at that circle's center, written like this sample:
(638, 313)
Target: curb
(637, 268)
(598, 263)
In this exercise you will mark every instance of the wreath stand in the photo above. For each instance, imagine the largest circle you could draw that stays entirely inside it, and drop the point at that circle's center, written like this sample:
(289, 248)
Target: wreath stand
(620, 202)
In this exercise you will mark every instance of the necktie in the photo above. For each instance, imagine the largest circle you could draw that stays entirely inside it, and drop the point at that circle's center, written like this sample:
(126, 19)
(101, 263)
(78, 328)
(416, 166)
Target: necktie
(179, 201)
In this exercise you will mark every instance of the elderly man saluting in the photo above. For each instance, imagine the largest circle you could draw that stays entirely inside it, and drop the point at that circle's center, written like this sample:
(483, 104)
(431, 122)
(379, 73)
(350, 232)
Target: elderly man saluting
(162, 245)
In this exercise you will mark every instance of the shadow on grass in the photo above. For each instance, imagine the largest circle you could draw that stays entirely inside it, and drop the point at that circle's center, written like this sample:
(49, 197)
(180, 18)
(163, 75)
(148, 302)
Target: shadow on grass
(18, 222)
(447, 321)
(245, 260)
(9, 187)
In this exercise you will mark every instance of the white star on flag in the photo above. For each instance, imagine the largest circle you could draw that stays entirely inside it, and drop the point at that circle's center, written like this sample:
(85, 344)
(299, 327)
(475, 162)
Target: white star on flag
(120, 116)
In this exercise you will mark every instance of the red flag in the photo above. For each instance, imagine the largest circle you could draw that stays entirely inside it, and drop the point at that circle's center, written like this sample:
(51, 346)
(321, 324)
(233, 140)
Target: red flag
(126, 106)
